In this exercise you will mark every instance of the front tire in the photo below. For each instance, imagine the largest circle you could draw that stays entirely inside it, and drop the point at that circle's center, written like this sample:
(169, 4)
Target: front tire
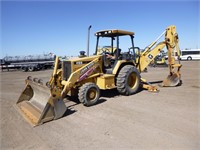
(89, 94)
(128, 80)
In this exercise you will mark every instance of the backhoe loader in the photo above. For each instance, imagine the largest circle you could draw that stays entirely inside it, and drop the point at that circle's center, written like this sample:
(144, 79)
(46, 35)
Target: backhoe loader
(86, 76)
(159, 61)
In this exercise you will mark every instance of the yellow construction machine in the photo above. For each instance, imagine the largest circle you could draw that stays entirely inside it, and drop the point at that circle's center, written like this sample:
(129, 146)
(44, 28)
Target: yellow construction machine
(159, 61)
(86, 76)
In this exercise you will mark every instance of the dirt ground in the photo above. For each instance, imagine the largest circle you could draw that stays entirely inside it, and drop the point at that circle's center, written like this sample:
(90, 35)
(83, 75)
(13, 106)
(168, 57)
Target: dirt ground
(168, 120)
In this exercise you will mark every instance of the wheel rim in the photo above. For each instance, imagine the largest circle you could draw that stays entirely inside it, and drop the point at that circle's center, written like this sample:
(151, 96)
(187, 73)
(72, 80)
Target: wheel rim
(92, 94)
(30, 68)
(132, 80)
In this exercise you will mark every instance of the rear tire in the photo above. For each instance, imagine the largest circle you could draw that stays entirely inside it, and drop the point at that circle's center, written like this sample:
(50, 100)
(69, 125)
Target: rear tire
(128, 80)
(89, 94)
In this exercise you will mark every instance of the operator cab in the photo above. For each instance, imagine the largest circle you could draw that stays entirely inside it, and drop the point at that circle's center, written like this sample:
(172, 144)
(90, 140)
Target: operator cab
(114, 49)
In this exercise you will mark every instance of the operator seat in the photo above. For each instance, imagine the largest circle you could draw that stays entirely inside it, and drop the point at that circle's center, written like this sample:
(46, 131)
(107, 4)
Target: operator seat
(109, 64)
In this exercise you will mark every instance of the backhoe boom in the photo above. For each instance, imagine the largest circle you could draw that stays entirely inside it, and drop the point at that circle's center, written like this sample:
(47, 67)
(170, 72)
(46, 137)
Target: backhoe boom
(171, 43)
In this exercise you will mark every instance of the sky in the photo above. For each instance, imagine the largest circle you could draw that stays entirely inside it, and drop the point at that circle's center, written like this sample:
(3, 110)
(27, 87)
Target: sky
(61, 27)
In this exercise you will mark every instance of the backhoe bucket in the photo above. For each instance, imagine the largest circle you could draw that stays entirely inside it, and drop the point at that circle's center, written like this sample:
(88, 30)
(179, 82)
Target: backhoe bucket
(172, 80)
(37, 105)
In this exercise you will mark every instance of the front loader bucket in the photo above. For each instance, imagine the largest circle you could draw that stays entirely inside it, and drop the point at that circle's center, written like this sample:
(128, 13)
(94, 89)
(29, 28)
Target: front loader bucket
(37, 105)
(172, 80)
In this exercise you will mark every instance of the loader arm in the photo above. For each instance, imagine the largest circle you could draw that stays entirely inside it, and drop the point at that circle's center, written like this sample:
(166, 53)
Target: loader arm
(53, 80)
(80, 75)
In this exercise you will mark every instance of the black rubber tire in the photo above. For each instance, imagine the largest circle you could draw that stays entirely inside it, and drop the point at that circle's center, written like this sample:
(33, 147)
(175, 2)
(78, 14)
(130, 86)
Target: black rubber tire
(31, 68)
(128, 80)
(24, 69)
(89, 94)
(189, 58)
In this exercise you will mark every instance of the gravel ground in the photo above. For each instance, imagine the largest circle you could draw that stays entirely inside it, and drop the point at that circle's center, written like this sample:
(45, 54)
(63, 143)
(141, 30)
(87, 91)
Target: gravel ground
(168, 120)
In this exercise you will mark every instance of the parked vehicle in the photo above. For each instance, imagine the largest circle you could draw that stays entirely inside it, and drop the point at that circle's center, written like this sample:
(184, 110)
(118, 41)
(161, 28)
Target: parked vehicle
(190, 54)
(27, 63)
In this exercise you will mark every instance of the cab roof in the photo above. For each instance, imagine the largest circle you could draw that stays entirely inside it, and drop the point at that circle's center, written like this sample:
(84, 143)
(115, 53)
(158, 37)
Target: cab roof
(113, 33)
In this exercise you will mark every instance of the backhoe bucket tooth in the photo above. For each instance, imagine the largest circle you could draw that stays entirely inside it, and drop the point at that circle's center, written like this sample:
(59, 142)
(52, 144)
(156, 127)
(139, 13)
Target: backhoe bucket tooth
(37, 105)
(172, 80)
